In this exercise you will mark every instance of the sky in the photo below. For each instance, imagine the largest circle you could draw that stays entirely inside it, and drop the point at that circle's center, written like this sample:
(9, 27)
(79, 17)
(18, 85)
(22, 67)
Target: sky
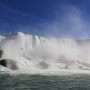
(50, 18)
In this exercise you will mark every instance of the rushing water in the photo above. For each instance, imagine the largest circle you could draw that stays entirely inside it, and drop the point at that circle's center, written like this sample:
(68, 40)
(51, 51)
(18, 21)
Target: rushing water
(38, 82)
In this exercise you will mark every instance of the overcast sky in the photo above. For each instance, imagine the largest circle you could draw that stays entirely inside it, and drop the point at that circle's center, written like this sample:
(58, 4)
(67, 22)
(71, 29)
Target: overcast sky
(54, 18)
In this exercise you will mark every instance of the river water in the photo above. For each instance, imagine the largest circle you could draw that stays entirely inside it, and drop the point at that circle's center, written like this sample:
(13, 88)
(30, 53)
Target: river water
(41, 82)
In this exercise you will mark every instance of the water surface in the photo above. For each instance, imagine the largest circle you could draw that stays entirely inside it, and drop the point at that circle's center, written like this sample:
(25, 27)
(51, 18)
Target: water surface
(38, 82)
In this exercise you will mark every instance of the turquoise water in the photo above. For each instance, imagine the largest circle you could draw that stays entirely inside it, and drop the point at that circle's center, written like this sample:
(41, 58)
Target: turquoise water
(37, 82)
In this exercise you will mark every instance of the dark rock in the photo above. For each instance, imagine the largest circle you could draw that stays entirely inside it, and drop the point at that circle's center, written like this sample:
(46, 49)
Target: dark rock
(3, 63)
(43, 65)
(9, 64)
(1, 52)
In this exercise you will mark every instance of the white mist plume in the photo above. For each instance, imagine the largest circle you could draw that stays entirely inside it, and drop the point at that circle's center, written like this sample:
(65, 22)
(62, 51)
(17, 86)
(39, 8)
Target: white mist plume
(68, 22)
(38, 54)
(54, 48)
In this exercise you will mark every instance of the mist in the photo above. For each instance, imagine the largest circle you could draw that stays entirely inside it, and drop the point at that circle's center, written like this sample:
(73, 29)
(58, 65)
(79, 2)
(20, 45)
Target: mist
(62, 43)
(67, 21)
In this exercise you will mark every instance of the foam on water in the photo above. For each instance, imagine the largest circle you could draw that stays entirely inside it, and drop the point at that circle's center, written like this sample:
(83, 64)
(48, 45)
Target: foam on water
(35, 54)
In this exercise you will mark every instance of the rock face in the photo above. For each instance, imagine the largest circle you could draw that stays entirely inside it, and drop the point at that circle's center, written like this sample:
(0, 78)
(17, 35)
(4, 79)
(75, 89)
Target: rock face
(1, 53)
(9, 64)
(43, 65)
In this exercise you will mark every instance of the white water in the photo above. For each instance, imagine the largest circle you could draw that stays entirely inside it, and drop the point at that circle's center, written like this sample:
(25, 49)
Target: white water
(35, 54)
